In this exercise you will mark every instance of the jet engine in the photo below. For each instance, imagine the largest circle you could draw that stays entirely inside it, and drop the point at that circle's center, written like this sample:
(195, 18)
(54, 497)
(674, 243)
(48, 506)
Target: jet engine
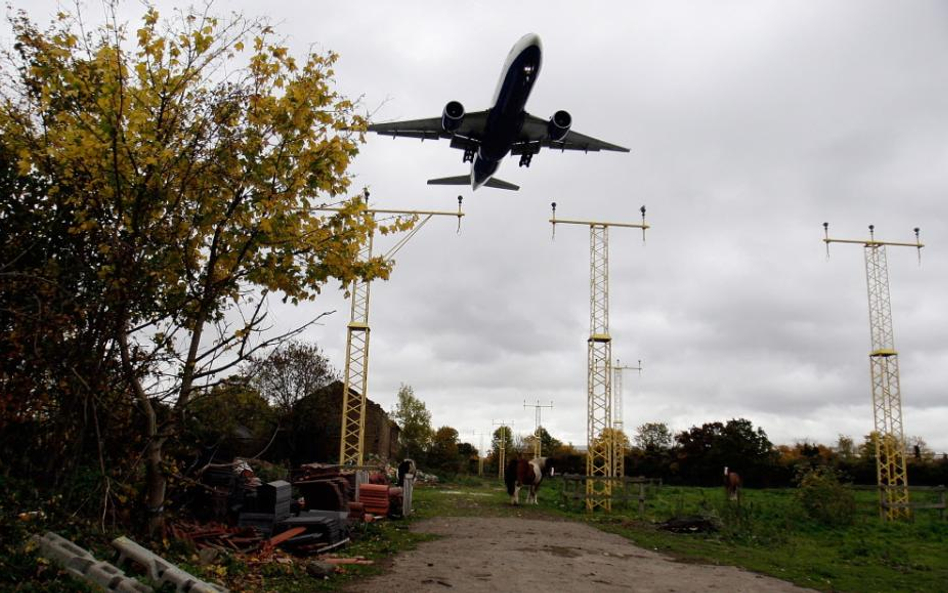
(559, 125)
(452, 116)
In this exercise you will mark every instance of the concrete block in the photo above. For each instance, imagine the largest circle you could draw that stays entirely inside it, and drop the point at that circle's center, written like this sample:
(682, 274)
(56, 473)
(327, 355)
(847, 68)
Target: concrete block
(80, 563)
(160, 570)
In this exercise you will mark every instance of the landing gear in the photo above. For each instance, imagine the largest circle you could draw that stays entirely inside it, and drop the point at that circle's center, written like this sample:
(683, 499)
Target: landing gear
(527, 150)
(468, 155)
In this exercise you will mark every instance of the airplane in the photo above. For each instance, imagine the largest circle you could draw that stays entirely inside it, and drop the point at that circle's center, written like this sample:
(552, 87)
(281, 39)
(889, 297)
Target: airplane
(486, 137)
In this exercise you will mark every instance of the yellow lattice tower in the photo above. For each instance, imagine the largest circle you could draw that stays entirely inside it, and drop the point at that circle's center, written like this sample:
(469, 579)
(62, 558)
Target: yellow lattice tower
(480, 453)
(599, 437)
(355, 386)
(502, 452)
(888, 436)
(618, 422)
(537, 445)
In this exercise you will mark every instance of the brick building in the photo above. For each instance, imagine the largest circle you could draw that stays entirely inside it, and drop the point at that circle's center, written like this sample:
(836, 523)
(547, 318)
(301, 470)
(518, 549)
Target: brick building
(319, 418)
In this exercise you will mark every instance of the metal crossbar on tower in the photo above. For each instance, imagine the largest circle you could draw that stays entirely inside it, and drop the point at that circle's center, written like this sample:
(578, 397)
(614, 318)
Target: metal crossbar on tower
(600, 439)
(618, 423)
(502, 451)
(888, 435)
(355, 387)
(537, 445)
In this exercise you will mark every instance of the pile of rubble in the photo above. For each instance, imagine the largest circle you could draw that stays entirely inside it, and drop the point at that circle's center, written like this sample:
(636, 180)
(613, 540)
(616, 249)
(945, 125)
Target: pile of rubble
(217, 535)
(242, 513)
(233, 510)
(325, 486)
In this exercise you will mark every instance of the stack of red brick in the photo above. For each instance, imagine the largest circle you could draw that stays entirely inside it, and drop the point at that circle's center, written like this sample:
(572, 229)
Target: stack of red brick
(374, 497)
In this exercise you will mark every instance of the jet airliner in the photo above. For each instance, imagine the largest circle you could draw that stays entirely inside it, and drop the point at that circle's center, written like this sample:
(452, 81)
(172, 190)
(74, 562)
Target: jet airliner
(486, 137)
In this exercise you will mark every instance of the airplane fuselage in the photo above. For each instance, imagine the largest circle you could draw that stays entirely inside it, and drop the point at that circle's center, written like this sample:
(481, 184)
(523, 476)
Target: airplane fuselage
(507, 111)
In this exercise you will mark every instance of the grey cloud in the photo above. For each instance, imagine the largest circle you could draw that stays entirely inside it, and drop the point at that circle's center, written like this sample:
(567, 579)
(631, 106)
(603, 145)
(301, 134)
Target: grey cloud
(750, 124)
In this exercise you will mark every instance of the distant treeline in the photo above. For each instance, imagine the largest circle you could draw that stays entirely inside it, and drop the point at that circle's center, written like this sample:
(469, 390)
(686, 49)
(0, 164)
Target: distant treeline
(698, 456)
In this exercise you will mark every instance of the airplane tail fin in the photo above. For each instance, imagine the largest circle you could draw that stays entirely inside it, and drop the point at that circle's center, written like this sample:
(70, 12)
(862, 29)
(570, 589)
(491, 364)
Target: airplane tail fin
(459, 180)
(498, 184)
(466, 180)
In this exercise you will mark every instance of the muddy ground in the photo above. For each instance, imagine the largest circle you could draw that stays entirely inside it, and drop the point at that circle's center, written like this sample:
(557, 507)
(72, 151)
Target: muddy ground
(511, 554)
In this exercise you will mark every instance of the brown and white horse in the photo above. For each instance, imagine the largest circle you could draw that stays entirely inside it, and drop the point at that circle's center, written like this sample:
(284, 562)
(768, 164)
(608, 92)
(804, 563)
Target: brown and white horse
(732, 484)
(521, 472)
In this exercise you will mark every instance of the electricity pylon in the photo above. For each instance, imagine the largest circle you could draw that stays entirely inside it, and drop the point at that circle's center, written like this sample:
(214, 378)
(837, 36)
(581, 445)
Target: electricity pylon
(888, 436)
(618, 423)
(480, 453)
(599, 438)
(502, 452)
(537, 447)
(355, 388)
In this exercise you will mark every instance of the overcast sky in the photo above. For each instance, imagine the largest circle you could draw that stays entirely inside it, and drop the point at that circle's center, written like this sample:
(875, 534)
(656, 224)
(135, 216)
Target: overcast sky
(750, 124)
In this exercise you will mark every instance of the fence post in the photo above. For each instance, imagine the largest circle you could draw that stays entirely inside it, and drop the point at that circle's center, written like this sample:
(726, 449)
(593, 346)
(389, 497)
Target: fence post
(641, 499)
(408, 488)
(941, 500)
(361, 477)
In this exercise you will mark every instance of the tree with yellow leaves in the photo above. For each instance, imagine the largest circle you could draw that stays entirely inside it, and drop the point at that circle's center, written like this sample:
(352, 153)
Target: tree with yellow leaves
(183, 162)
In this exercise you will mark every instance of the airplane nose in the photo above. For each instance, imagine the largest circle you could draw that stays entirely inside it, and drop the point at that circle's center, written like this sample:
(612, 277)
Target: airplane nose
(531, 39)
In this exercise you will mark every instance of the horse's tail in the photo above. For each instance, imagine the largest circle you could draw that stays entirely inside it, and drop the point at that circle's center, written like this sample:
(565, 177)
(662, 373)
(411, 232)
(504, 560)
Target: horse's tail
(510, 476)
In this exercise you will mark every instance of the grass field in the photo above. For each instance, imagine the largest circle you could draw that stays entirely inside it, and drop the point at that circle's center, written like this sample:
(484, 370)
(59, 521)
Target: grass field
(768, 533)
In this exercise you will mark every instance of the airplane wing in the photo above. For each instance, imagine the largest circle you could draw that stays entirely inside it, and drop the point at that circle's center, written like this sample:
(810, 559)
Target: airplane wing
(470, 132)
(534, 131)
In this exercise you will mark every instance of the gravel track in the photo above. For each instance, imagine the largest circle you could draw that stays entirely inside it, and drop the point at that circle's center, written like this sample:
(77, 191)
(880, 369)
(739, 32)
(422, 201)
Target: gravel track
(510, 554)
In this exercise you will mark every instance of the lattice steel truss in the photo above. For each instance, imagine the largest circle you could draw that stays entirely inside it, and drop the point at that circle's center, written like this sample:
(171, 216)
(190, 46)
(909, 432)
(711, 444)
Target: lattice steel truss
(618, 421)
(537, 425)
(888, 437)
(351, 442)
(355, 387)
(502, 452)
(888, 434)
(618, 425)
(600, 436)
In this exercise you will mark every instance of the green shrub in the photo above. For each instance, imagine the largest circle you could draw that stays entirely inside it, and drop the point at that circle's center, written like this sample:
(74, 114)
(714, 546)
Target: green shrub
(824, 499)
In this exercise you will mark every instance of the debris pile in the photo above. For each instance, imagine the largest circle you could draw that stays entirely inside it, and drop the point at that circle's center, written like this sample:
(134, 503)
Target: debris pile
(324, 486)
(249, 516)
(217, 535)
(312, 530)
(232, 510)
(324, 530)
(690, 524)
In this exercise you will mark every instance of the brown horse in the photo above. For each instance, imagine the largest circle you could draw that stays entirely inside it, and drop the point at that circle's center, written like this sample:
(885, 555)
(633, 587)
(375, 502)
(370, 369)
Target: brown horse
(732, 484)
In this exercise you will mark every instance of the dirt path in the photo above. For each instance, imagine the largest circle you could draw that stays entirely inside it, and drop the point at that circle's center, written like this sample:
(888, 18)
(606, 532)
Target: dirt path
(510, 554)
